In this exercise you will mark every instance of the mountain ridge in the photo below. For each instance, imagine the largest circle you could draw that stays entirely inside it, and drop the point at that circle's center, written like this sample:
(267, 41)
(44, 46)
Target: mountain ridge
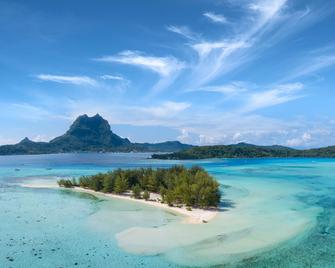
(89, 134)
(94, 134)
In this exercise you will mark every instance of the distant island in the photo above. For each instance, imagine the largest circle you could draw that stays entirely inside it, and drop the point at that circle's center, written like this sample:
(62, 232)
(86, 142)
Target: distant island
(94, 134)
(244, 150)
(89, 134)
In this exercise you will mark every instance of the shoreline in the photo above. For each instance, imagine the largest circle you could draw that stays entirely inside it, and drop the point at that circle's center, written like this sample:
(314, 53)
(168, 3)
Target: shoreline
(194, 216)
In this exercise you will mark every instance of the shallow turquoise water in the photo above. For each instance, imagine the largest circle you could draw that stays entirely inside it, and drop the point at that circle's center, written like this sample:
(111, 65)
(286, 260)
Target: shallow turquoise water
(278, 213)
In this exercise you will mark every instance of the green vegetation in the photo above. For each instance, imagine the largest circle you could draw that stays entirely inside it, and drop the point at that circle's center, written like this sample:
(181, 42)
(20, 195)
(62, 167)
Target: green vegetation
(243, 150)
(66, 183)
(178, 185)
(146, 195)
(136, 189)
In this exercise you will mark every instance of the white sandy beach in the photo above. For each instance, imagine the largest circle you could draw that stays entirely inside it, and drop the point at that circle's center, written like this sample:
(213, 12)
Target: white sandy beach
(39, 184)
(194, 216)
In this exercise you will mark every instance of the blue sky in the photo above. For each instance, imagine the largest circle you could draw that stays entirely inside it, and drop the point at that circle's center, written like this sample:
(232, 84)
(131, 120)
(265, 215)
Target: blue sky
(200, 71)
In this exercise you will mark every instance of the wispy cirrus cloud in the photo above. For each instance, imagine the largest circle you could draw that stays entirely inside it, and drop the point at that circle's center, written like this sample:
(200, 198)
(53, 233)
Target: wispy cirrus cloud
(164, 66)
(313, 65)
(184, 31)
(217, 57)
(277, 95)
(267, 8)
(253, 98)
(216, 18)
(167, 68)
(233, 88)
(74, 80)
(205, 48)
(112, 77)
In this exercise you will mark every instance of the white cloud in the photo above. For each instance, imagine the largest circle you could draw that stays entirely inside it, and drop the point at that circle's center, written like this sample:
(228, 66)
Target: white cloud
(184, 136)
(277, 95)
(199, 125)
(233, 88)
(164, 66)
(221, 56)
(112, 77)
(167, 109)
(267, 8)
(215, 59)
(313, 65)
(216, 18)
(207, 140)
(205, 48)
(168, 68)
(183, 31)
(74, 80)
(237, 137)
(303, 140)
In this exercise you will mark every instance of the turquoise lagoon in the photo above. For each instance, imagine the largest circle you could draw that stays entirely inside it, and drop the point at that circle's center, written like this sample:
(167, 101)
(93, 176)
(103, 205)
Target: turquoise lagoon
(274, 213)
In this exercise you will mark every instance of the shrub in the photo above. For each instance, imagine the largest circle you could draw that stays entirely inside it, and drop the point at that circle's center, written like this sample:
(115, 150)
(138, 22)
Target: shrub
(65, 183)
(136, 191)
(146, 195)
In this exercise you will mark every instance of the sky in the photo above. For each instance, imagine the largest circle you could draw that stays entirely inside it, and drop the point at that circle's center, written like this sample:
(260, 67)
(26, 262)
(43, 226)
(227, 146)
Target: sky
(197, 71)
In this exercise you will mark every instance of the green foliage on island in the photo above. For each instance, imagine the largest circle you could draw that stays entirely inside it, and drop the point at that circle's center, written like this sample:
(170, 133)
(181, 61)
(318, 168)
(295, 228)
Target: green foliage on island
(243, 150)
(146, 195)
(67, 183)
(178, 185)
(136, 189)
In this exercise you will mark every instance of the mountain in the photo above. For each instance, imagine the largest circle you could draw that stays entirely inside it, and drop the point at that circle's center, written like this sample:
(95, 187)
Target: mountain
(244, 150)
(89, 134)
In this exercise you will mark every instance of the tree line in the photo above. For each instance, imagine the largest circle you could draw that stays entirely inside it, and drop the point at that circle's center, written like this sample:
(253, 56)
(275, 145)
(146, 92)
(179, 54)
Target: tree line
(177, 185)
(244, 150)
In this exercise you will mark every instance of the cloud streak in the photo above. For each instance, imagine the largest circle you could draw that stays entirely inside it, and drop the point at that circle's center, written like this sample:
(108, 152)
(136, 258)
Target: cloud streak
(230, 89)
(275, 96)
(216, 18)
(164, 66)
(226, 110)
(74, 80)
(112, 77)
(313, 65)
(184, 31)
(168, 68)
(218, 57)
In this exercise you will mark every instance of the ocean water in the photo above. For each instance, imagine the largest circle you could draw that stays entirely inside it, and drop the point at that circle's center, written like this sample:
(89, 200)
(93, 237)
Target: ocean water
(274, 213)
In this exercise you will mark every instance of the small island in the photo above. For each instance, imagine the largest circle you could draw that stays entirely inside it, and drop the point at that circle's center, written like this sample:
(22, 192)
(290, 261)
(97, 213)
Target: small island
(190, 191)
(245, 150)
